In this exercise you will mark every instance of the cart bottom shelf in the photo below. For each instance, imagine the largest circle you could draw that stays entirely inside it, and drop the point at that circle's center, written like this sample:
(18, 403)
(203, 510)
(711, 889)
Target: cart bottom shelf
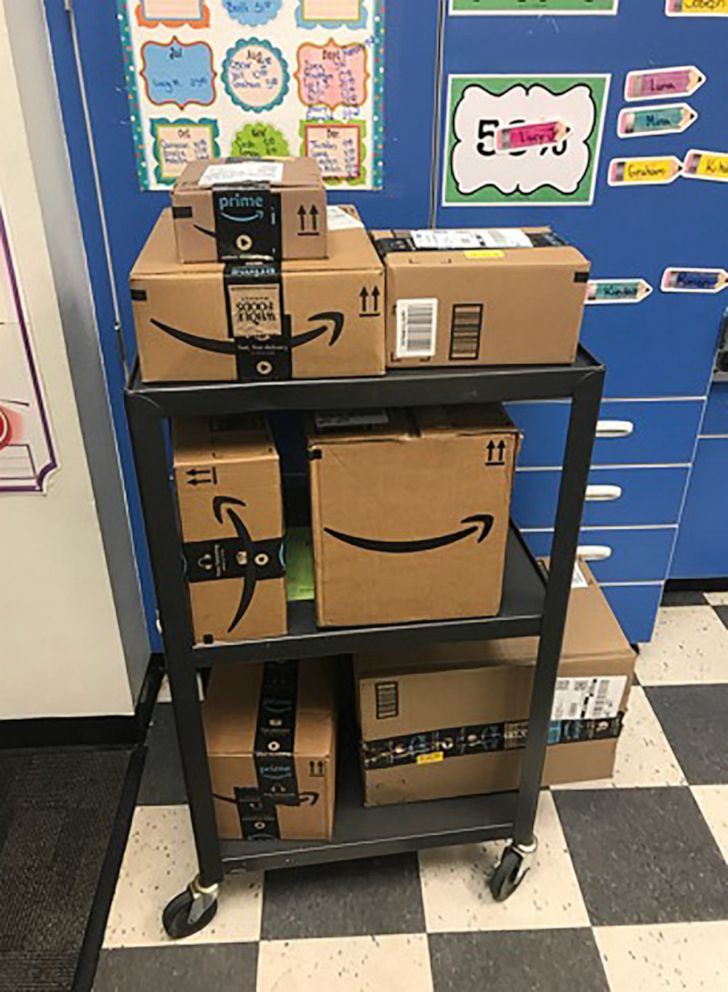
(363, 833)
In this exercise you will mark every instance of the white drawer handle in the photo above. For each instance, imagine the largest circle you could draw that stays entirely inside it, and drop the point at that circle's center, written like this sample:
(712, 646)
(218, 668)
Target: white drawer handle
(603, 494)
(614, 428)
(594, 552)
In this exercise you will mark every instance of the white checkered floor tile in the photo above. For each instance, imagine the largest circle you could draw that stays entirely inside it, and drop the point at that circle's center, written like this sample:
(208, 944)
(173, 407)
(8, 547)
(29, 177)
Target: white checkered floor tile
(629, 889)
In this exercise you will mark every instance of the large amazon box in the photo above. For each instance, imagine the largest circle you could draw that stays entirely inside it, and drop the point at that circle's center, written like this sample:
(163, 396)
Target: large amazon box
(503, 296)
(270, 730)
(208, 321)
(230, 508)
(410, 513)
(452, 719)
(228, 209)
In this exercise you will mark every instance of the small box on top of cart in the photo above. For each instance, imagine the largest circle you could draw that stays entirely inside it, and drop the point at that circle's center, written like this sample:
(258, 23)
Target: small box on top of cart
(235, 208)
(500, 296)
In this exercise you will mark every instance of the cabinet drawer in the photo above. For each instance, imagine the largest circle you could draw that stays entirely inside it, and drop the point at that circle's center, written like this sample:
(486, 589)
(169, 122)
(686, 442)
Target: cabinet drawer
(631, 432)
(615, 554)
(716, 412)
(615, 496)
(635, 607)
(701, 551)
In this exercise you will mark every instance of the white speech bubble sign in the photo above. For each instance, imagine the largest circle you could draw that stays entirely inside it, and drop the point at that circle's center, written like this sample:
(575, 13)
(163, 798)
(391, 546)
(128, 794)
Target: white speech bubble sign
(475, 163)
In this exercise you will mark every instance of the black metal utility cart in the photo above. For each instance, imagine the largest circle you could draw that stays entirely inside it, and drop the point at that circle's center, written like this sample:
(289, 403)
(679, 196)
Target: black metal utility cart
(533, 604)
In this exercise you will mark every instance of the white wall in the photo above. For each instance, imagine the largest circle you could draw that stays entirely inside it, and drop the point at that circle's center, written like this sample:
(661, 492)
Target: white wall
(72, 639)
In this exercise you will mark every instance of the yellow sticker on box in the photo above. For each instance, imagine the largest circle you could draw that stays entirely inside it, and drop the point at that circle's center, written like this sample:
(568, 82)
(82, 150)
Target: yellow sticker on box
(430, 759)
(485, 253)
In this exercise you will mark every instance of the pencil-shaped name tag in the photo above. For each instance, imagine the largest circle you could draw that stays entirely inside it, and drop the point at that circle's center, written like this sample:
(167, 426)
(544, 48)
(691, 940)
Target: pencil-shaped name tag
(669, 118)
(644, 171)
(516, 137)
(692, 8)
(646, 84)
(712, 166)
(617, 291)
(694, 280)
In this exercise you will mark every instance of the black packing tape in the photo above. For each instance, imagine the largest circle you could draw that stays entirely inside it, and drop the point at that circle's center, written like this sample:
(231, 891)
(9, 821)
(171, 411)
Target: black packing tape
(274, 745)
(257, 321)
(227, 558)
(247, 222)
(482, 738)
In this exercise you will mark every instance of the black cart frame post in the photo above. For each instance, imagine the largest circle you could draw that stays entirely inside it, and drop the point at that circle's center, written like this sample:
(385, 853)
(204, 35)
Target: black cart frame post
(533, 604)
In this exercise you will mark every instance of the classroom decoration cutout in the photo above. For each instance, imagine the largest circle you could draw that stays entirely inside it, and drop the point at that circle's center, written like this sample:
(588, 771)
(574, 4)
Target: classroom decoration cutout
(27, 451)
(515, 140)
(255, 77)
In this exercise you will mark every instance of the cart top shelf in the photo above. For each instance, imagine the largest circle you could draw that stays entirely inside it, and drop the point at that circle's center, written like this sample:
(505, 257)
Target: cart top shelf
(403, 387)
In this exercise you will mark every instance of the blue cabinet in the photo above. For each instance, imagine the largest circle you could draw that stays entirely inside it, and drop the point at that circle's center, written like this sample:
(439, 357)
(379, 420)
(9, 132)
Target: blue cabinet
(702, 546)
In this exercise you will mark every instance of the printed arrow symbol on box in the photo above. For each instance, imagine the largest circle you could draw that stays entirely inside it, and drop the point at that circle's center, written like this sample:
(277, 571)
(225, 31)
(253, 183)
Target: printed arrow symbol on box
(482, 522)
(501, 446)
(314, 217)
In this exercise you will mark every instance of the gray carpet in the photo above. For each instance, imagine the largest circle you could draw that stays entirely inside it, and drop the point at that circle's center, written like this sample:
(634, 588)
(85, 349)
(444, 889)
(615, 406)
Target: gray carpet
(58, 811)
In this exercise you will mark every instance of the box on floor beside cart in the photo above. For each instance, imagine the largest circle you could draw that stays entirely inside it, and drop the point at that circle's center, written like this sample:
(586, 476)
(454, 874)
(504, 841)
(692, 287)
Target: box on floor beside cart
(259, 320)
(410, 513)
(270, 730)
(229, 497)
(451, 719)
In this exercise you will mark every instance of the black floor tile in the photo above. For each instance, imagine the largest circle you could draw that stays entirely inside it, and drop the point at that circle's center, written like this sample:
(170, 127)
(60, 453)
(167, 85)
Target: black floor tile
(178, 968)
(695, 721)
(533, 960)
(348, 899)
(643, 856)
(684, 598)
(722, 612)
(162, 781)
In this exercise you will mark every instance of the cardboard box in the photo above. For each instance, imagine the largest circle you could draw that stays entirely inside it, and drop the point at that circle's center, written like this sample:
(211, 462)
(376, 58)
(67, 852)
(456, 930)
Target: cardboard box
(319, 318)
(451, 719)
(410, 513)
(228, 209)
(506, 296)
(230, 507)
(271, 746)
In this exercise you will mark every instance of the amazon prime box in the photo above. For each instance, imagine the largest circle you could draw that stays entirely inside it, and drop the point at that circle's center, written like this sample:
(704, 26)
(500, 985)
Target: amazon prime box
(270, 730)
(230, 209)
(230, 508)
(447, 720)
(260, 320)
(410, 513)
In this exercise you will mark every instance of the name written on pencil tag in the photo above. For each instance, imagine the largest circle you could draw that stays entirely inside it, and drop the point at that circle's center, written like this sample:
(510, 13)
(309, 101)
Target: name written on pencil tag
(601, 291)
(694, 8)
(712, 166)
(647, 84)
(515, 137)
(668, 118)
(687, 280)
(644, 171)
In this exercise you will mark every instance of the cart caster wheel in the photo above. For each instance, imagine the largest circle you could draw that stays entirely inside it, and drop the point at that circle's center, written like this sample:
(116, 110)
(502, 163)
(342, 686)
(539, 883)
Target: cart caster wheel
(190, 911)
(510, 872)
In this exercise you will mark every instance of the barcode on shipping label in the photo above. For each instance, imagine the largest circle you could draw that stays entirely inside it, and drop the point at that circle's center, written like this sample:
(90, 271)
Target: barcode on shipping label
(416, 328)
(467, 324)
(589, 698)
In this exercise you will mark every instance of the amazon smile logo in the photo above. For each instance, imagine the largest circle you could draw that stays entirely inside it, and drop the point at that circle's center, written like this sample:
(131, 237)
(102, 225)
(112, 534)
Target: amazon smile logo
(479, 524)
(332, 322)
